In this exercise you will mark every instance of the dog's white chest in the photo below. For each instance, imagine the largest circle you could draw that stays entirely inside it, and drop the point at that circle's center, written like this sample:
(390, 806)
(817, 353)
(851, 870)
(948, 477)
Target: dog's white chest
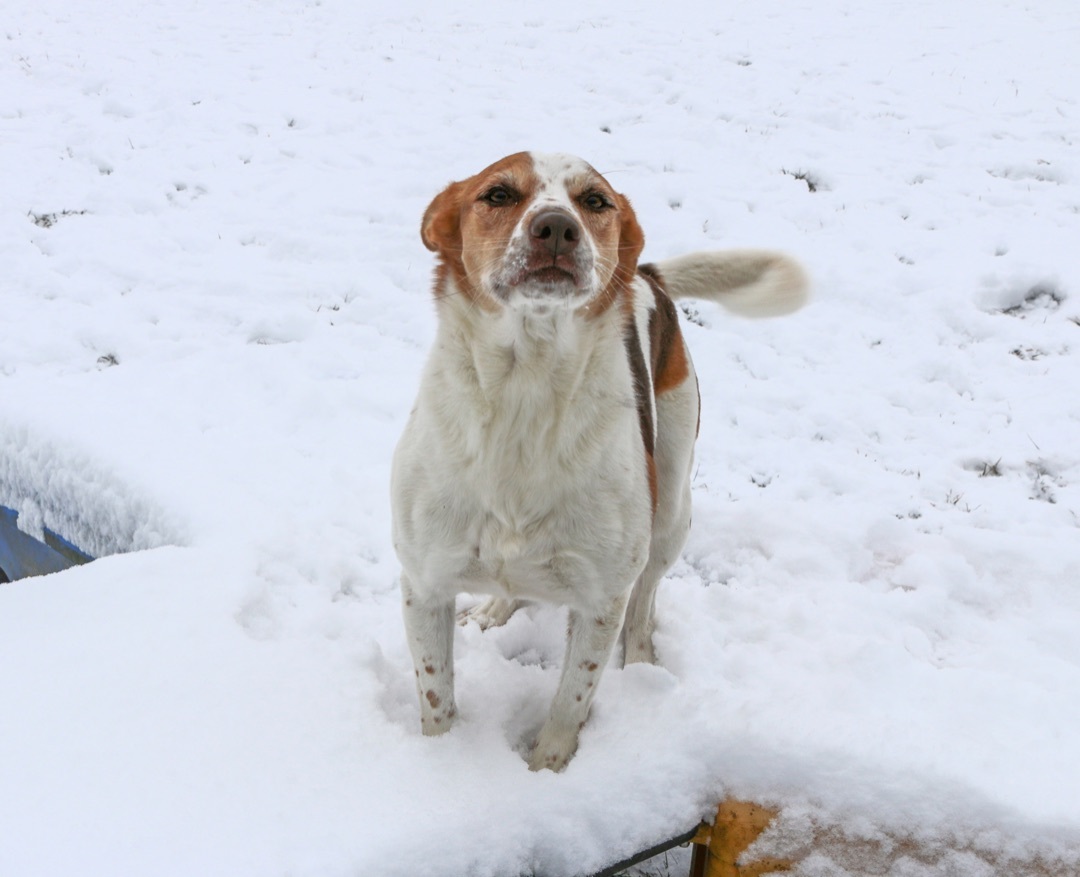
(533, 530)
(521, 480)
(518, 561)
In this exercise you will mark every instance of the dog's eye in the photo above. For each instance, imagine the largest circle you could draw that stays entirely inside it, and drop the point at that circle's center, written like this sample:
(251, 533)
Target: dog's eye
(498, 196)
(595, 201)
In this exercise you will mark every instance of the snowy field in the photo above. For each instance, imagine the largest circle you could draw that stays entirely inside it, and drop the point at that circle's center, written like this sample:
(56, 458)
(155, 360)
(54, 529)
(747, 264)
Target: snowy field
(215, 307)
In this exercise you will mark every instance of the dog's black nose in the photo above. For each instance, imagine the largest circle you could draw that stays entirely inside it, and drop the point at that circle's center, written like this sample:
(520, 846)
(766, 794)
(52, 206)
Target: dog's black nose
(556, 230)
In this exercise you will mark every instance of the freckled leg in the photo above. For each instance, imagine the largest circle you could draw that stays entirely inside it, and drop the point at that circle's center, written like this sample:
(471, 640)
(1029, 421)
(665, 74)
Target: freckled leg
(590, 641)
(429, 625)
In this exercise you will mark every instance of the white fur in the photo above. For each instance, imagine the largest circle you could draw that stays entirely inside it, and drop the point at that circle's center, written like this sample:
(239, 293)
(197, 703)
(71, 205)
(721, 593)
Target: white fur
(515, 477)
(521, 472)
(750, 283)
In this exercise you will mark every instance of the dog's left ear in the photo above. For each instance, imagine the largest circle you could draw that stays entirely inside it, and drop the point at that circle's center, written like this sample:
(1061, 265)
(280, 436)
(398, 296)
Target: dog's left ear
(631, 237)
(441, 228)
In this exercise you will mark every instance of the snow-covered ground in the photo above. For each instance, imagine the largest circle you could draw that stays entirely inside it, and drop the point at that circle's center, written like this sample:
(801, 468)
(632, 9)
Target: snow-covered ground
(214, 306)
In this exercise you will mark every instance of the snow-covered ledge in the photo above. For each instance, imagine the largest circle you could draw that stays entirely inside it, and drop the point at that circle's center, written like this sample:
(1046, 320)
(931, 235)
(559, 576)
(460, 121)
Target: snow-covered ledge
(65, 491)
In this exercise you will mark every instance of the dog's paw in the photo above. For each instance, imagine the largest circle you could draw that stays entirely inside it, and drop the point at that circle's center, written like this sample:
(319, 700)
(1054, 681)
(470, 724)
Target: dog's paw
(554, 748)
(493, 612)
(437, 720)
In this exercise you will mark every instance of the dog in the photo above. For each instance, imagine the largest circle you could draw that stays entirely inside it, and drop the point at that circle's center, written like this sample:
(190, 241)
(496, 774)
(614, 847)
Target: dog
(548, 455)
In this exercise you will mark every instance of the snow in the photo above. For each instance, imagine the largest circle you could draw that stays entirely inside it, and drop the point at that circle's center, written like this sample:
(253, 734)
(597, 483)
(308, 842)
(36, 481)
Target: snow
(215, 309)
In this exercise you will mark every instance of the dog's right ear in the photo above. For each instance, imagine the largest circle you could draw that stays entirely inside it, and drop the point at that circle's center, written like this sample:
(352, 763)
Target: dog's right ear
(441, 229)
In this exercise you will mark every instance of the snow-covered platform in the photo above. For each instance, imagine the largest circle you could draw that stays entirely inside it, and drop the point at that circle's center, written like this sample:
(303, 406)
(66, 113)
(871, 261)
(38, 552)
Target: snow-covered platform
(215, 307)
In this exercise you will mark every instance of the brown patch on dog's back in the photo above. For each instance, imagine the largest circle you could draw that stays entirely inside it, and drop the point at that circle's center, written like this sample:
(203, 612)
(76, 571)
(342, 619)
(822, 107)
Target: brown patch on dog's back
(669, 364)
(643, 399)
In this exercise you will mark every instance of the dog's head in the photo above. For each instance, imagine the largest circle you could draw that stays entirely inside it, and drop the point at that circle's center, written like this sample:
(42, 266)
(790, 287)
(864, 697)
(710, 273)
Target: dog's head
(534, 230)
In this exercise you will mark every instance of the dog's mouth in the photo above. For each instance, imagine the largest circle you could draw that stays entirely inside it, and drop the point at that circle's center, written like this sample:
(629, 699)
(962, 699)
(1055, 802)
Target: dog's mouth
(543, 282)
(550, 275)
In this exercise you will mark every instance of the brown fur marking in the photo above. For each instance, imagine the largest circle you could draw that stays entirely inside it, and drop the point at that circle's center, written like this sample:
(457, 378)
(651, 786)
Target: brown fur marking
(669, 364)
(642, 396)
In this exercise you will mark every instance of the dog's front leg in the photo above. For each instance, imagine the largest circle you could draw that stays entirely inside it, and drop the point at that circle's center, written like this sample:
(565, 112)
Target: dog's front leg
(429, 625)
(590, 639)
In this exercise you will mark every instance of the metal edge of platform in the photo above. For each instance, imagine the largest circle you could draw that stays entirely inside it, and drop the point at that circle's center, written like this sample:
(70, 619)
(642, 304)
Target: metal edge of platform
(21, 555)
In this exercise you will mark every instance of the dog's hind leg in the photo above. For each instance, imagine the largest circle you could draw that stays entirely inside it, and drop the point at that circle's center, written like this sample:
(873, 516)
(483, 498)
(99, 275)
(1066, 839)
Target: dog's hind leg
(640, 621)
(676, 418)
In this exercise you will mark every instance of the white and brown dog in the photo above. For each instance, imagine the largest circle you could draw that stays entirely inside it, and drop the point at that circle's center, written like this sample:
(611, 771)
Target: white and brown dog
(548, 455)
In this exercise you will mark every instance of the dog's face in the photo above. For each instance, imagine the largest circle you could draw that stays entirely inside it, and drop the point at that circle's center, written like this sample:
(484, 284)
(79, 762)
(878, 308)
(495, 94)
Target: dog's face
(534, 230)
